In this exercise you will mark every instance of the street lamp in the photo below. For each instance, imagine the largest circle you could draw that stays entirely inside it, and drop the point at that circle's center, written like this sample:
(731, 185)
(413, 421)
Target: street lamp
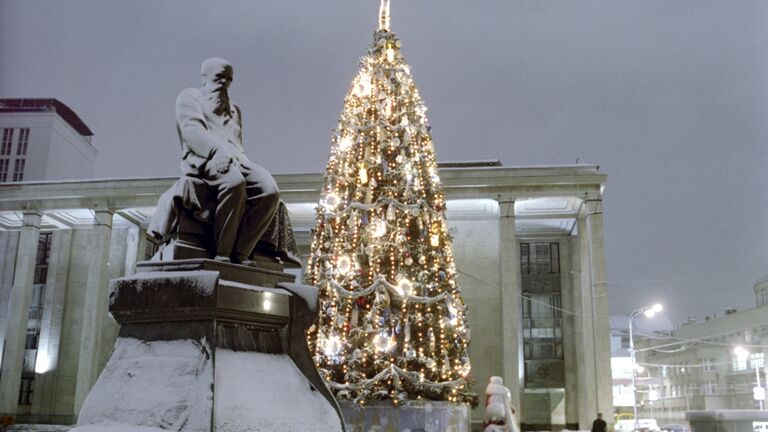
(743, 354)
(648, 312)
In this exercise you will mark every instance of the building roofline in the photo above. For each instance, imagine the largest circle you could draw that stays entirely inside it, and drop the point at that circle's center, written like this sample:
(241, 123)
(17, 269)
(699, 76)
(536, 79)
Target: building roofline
(25, 105)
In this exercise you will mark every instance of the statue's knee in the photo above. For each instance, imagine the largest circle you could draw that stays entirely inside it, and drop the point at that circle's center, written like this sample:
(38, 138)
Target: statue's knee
(271, 192)
(233, 182)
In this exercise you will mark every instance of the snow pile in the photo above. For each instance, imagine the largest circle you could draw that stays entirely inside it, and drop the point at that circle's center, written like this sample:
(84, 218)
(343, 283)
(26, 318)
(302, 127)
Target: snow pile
(266, 392)
(202, 281)
(161, 384)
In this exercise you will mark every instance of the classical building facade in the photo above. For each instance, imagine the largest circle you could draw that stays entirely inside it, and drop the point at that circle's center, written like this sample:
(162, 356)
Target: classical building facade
(697, 367)
(43, 139)
(528, 244)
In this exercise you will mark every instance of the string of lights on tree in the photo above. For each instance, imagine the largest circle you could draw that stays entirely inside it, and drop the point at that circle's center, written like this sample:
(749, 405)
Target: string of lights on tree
(391, 321)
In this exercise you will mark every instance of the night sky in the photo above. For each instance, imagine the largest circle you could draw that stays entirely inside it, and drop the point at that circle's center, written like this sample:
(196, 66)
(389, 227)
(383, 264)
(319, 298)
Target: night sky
(670, 98)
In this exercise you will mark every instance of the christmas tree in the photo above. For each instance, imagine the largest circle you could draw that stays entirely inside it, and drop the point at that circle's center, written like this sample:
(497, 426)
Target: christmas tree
(391, 319)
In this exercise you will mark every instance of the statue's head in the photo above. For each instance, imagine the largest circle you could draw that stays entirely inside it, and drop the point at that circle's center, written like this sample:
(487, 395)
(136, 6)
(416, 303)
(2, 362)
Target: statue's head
(217, 73)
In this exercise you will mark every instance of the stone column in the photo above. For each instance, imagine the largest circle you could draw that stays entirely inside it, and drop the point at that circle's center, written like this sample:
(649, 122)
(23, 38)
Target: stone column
(511, 307)
(585, 356)
(95, 307)
(136, 244)
(9, 244)
(44, 396)
(570, 345)
(600, 318)
(18, 313)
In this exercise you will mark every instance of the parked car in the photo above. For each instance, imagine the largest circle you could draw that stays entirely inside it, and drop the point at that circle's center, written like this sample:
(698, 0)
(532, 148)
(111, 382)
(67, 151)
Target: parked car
(675, 428)
(644, 425)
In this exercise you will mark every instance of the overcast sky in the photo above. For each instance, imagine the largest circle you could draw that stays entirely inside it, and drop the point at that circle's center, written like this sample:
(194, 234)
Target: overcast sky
(670, 98)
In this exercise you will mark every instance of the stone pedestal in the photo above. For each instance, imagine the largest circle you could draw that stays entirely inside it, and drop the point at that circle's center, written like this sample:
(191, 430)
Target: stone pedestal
(209, 346)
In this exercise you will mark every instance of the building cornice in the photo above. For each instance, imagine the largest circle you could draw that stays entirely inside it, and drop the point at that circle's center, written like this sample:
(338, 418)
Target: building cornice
(582, 181)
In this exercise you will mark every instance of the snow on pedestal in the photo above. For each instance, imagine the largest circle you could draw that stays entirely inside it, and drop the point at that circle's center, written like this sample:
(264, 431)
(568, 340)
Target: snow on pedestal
(285, 406)
(163, 383)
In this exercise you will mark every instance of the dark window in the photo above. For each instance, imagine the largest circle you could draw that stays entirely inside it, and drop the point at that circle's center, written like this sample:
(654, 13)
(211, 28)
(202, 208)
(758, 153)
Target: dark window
(5, 147)
(4, 163)
(525, 258)
(18, 170)
(33, 338)
(26, 389)
(542, 326)
(21, 149)
(539, 258)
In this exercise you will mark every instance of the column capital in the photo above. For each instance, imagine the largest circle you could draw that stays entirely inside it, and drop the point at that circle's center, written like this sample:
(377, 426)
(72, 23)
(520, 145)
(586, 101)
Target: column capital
(592, 207)
(506, 206)
(31, 218)
(103, 217)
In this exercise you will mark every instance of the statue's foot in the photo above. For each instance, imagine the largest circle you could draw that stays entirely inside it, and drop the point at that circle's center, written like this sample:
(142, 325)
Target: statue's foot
(244, 260)
(222, 258)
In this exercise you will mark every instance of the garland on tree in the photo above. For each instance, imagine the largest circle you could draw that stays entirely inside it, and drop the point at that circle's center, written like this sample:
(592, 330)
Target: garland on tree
(391, 321)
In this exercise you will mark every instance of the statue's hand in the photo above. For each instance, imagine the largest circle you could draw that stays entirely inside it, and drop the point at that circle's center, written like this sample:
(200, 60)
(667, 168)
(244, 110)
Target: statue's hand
(221, 162)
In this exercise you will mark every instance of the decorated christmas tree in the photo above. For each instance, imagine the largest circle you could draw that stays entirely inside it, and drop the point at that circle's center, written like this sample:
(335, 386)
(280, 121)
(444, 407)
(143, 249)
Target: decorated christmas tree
(391, 319)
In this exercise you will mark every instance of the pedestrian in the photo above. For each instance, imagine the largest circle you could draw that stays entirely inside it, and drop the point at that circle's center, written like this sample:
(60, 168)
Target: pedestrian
(599, 424)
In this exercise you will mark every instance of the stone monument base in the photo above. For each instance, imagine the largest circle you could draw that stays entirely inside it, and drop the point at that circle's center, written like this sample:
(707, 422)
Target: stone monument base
(415, 416)
(207, 346)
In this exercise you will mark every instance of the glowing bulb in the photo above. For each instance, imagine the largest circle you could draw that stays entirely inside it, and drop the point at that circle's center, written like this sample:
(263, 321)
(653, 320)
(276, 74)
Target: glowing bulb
(466, 369)
(363, 86)
(434, 240)
(363, 173)
(383, 342)
(741, 352)
(345, 143)
(404, 286)
(332, 345)
(379, 228)
(331, 201)
(344, 265)
(390, 55)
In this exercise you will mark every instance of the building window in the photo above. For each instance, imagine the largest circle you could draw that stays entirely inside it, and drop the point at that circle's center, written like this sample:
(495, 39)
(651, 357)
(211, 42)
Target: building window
(707, 364)
(757, 360)
(762, 297)
(738, 363)
(542, 326)
(5, 148)
(34, 321)
(4, 163)
(25, 392)
(18, 169)
(709, 388)
(21, 148)
(539, 258)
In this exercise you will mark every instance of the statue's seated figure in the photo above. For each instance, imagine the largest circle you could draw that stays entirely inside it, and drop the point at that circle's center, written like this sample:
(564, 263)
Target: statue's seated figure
(224, 206)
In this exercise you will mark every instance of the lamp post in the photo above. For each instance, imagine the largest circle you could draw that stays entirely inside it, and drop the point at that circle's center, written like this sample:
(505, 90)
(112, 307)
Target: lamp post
(649, 312)
(744, 354)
